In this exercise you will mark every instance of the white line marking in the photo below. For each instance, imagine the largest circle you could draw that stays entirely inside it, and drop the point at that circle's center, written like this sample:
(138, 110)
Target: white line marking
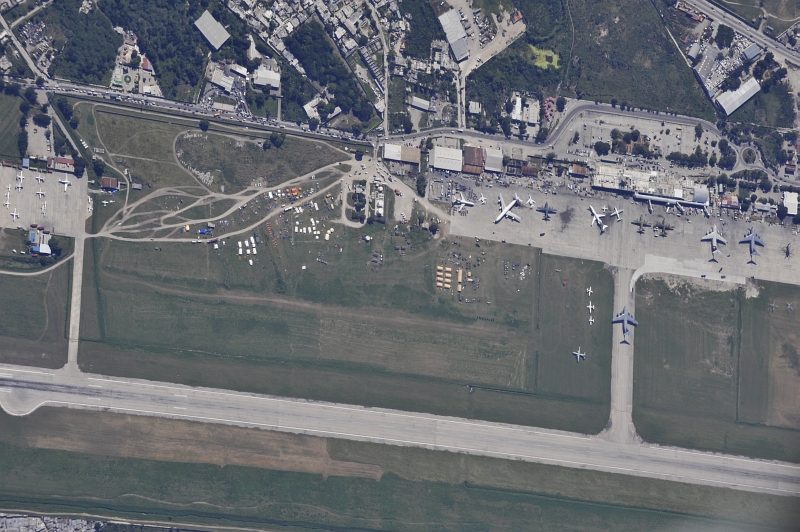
(6, 391)
(93, 386)
(178, 408)
(6, 375)
(570, 463)
(28, 371)
(179, 395)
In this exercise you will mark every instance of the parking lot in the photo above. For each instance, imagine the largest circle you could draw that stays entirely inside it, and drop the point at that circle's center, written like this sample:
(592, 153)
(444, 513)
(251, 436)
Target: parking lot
(40, 199)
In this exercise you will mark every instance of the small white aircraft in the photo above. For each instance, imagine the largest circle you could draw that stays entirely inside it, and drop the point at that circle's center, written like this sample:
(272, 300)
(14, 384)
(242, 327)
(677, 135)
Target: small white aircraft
(590, 307)
(591, 320)
(596, 219)
(605, 208)
(44, 208)
(66, 182)
(39, 178)
(40, 193)
(530, 202)
(589, 291)
(6, 204)
(482, 199)
(20, 177)
(617, 213)
(18, 186)
(578, 355)
(15, 214)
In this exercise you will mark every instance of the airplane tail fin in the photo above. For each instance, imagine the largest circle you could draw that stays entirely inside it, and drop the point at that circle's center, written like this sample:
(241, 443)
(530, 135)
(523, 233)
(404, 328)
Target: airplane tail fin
(604, 228)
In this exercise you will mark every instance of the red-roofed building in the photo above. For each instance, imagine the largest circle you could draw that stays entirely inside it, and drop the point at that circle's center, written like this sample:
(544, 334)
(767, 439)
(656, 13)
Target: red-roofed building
(108, 183)
(146, 64)
(62, 164)
(516, 17)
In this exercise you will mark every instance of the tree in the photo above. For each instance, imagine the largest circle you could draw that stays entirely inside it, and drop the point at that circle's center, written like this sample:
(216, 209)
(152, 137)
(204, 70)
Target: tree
(541, 135)
(698, 130)
(99, 167)
(277, 139)
(613, 102)
(40, 82)
(602, 148)
(24, 107)
(408, 126)
(523, 129)
(429, 144)
(356, 128)
(55, 246)
(550, 157)
(505, 125)
(713, 160)
(433, 228)
(796, 220)
(422, 185)
(313, 124)
(79, 165)
(41, 120)
(561, 102)
(22, 143)
(576, 137)
(615, 134)
(724, 36)
(30, 95)
(359, 154)
(204, 123)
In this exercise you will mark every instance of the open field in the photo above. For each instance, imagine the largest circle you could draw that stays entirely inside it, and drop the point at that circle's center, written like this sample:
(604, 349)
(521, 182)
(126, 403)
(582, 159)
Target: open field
(9, 127)
(781, 14)
(33, 318)
(602, 65)
(169, 471)
(123, 135)
(15, 239)
(236, 162)
(709, 375)
(192, 314)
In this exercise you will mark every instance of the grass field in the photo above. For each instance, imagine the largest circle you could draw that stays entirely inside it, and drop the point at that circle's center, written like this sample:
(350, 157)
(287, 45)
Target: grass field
(123, 135)
(709, 373)
(195, 315)
(9, 127)
(14, 240)
(774, 108)
(781, 14)
(602, 64)
(540, 58)
(236, 162)
(154, 470)
(33, 318)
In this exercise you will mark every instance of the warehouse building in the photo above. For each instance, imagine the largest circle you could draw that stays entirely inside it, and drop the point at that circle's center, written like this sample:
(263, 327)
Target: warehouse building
(493, 160)
(446, 159)
(790, 202)
(731, 100)
(473, 160)
(264, 77)
(213, 31)
(403, 160)
(418, 103)
(751, 52)
(455, 33)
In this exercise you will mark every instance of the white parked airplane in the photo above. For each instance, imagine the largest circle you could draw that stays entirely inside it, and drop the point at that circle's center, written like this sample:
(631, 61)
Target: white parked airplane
(40, 193)
(15, 214)
(18, 186)
(462, 201)
(590, 307)
(6, 204)
(482, 199)
(20, 177)
(39, 178)
(591, 320)
(578, 355)
(44, 209)
(596, 219)
(605, 208)
(530, 202)
(715, 239)
(66, 182)
(617, 213)
(753, 240)
(505, 210)
(589, 291)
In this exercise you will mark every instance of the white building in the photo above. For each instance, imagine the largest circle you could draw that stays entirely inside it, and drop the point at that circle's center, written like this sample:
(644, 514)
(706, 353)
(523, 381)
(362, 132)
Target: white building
(732, 100)
(493, 158)
(213, 31)
(455, 33)
(263, 77)
(790, 201)
(446, 159)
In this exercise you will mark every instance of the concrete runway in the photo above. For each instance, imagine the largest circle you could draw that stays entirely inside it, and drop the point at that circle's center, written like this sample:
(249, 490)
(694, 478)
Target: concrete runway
(22, 390)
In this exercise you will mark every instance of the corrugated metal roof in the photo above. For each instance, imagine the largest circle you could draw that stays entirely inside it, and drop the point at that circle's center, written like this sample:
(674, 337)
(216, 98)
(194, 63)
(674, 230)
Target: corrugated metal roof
(494, 160)
(213, 31)
(446, 158)
(732, 100)
(460, 49)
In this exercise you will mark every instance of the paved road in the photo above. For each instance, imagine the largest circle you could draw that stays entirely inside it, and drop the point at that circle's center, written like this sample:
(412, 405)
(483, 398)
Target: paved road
(22, 390)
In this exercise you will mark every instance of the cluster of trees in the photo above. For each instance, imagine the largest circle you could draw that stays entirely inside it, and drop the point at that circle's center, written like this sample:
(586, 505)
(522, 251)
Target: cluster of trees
(170, 40)
(753, 179)
(88, 48)
(312, 48)
(727, 158)
(66, 111)
(696, 158)
(425, 28)
(275, 139)
(422, 185)
(724, 36)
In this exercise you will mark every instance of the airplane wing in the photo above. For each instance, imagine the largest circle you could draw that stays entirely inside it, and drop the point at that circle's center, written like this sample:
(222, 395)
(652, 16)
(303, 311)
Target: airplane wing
(502, 203)
(632, 321)
(721, 240)
(708, 237)
(513, 216)
(757, 240)
(746, 240)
